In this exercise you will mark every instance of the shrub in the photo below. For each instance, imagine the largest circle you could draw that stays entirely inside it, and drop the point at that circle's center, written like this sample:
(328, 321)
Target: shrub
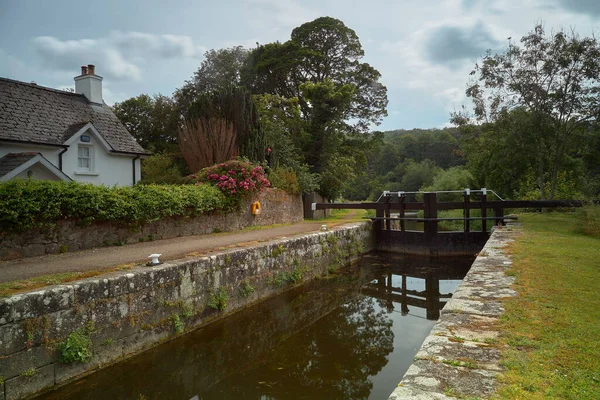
(26, 204)
(160, 168)
(237, 179)
(590, 218)
(284, 179)
(455, 178)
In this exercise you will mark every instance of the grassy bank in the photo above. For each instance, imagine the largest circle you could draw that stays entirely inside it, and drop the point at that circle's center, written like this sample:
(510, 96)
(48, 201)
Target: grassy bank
(552, 328)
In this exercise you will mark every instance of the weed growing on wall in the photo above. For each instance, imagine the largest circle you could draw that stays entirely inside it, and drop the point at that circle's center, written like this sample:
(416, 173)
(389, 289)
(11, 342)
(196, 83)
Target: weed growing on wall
(246, 289)
(186, 311)
(287, 277)
(218, 300)
(77, 347)
(277, 251)
(29, 372)
(177, 323)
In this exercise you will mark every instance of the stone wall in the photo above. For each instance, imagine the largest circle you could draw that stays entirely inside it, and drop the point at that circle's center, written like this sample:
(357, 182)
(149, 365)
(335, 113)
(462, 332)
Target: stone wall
(278, 207)
(460, 358)
(130, 311)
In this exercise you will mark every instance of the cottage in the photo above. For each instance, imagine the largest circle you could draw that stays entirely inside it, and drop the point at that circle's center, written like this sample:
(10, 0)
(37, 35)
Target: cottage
(54, 134)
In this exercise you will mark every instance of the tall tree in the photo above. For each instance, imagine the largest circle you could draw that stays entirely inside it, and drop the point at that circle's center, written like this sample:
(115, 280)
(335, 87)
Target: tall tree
(152, 120)
(556, 79)
(221, 125)
(220, 69)
(339, 97)
(321, 50)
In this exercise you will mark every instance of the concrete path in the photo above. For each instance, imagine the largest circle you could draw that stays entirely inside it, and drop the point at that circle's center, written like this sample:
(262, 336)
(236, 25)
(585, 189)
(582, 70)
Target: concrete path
(175, 248)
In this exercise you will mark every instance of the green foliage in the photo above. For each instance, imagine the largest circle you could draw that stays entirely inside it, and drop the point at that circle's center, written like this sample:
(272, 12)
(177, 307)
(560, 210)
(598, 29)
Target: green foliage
(77, 347)
(458, 225)
(246, 289)
(219, 69)
(338, 97)
(26, 204)
(178, 324)
(161, 169)
(221, 125)
(186, 311)
(285, 179)
(287, 277)
(218, 300)
(419, 174)
(277, 251)
(152, 120)
(566, 187)
(396, 152)
(590, 220)
(323, 49)
(455, 178)
(538, 99)
(29, 372)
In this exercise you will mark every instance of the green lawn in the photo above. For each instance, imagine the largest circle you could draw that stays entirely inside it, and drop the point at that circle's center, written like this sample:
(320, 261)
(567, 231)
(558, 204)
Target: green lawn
(552, 328)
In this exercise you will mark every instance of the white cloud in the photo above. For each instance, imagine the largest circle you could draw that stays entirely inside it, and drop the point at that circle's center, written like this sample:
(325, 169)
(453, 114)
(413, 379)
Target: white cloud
(162, 46)
(120, 55)
(411, 67)
(277, 17)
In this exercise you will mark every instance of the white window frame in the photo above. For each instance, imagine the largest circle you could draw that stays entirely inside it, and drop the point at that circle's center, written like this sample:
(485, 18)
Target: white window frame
(90, 157)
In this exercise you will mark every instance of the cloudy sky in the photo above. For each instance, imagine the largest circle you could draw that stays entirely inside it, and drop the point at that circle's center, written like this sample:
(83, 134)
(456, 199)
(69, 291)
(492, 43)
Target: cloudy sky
(424, 49)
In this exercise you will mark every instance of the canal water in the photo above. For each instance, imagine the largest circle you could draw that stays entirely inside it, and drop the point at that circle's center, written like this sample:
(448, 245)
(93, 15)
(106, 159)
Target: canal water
(350, 335)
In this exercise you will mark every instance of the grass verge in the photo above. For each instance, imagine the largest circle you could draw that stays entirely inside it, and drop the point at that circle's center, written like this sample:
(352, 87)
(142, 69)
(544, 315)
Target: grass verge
(14, 287)
(342, 215)
(552, 328)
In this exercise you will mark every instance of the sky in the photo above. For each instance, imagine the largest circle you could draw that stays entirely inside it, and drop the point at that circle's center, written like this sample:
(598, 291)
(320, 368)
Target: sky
(424, 49)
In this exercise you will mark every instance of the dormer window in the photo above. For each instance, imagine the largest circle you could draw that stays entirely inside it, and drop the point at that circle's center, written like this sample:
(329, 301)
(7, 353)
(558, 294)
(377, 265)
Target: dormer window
(85, 158)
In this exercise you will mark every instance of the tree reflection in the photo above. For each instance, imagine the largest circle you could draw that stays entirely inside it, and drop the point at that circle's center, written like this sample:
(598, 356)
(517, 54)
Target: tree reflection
(331, 359)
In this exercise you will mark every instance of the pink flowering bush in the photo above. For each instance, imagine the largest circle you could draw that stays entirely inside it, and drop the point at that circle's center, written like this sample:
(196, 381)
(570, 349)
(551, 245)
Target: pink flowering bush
(237, 179)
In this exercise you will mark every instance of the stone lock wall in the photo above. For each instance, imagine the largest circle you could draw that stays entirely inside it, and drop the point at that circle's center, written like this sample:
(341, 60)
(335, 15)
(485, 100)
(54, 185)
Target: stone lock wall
(130, 311)
(277, 207)
(461, 354)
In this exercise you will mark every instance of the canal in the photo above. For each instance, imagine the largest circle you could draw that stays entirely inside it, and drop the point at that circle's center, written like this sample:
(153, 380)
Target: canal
(349, 335)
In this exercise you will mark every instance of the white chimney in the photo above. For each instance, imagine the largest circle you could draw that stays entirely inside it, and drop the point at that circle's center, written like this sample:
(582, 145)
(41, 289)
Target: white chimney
(89, 84)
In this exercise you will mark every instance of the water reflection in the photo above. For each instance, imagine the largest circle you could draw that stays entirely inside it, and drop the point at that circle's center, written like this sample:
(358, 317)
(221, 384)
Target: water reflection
(351, 336)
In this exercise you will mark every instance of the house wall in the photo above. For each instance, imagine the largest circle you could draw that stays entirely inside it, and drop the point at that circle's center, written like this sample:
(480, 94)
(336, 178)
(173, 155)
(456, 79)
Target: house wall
(38, 172)
(134, 310)
(49, 152)
(108, 168)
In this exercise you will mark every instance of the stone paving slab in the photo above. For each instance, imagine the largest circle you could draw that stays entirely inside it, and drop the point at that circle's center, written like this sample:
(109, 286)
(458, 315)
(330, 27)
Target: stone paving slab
(441, 378)
(486, 308)
(475, 328)
(461, 356)
(455, 350)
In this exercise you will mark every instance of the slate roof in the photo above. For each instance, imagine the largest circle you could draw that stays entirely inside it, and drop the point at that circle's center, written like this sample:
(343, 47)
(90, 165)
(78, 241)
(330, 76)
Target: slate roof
(37, 114)
(12, 160)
